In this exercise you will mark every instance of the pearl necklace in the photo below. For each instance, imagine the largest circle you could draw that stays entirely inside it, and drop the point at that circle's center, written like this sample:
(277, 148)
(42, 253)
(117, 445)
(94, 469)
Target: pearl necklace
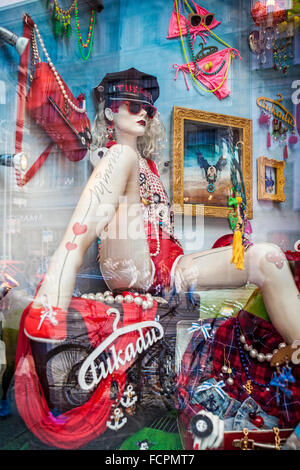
(58, 78)
(107, 297)
(255, 354)
(152, 217)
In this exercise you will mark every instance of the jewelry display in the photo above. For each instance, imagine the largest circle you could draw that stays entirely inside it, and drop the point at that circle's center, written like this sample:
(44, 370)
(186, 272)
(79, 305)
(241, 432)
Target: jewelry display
(154, 202)
(283, 122)
(280, 378)
(61, 20)
(89, 41)
(277, 438)
(117, 420)
(237, 217)
(98, 357)
(254, 354)
(283, 54)
(199, 74)
(129, 399)
(248, 387)
(109, 135)
(226, 369)
(145, 301)
(275, 37)
(211, 171)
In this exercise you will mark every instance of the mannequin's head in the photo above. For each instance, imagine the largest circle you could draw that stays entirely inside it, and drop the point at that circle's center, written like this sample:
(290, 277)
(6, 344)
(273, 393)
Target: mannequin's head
(126, 104)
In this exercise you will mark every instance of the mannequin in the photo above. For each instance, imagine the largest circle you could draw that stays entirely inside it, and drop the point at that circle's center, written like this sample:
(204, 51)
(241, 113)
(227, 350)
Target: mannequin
(110, 208)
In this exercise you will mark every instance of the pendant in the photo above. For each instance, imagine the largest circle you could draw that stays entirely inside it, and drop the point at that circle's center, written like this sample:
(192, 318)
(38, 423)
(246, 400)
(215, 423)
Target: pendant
(211, 188)
(129, 397)
(248, 387)
(117, 420)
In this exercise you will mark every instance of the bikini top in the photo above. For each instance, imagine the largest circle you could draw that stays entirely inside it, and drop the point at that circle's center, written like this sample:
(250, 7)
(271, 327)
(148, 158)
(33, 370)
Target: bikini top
(173, 25)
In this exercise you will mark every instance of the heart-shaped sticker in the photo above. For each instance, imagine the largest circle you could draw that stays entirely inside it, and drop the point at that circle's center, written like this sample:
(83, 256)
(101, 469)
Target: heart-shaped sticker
(79, 229)
(70, 246)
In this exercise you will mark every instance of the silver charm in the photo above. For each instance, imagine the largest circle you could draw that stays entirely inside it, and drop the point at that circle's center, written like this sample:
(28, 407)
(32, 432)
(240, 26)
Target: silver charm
(129, 397)
(118, 420)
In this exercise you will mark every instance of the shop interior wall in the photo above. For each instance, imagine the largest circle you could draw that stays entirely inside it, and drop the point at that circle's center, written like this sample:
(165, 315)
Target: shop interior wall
(131, 34)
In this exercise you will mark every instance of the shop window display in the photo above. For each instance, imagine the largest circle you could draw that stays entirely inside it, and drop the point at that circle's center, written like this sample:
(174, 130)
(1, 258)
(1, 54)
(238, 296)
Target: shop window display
(117, 334)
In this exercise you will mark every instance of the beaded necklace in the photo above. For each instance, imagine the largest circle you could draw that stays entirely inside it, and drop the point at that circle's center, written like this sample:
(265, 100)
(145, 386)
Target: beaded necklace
(148, 200)
(248, 387)
(204, 72)
(61, 19)
(62, 26)
(89, 41)
(187, 60)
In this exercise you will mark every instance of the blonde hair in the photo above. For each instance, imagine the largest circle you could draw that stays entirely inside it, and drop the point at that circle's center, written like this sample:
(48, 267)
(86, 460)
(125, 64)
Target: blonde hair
(149, 145)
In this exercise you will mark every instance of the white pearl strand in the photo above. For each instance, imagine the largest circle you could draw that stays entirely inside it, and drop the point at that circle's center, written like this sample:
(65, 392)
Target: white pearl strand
(152, 217)
(107, 297)
(58, 78)
(255, 354)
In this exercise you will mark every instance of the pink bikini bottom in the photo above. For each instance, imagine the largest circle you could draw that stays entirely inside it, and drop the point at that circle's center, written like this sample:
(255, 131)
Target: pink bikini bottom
(213, 69)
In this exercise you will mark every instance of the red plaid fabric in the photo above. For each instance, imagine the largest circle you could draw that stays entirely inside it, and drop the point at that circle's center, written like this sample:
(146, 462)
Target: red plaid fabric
(264, 338)
(204, 359)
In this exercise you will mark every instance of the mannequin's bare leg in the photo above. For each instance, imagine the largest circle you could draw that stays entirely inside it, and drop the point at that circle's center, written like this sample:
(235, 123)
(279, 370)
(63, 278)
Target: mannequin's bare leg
(265, 266)
(116, 175)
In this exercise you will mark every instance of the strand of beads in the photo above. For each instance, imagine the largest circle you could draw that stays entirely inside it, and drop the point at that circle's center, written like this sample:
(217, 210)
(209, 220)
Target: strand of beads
(152, 214)
(61, 19)
(254, 354)
(89, 41)
(244, 360)
(145, 301)
(209, 64)
(58, 78)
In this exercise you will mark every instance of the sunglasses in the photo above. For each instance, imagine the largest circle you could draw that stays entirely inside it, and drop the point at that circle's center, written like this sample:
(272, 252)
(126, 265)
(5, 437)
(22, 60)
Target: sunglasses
(196, 20)
(134, 107)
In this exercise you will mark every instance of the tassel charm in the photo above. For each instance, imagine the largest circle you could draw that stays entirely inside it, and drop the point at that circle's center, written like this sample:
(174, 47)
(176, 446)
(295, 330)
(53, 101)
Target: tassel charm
(285, 152)
(238, 251)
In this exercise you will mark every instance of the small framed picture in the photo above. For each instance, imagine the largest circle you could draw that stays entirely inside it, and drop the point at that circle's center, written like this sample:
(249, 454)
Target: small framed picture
(204, 147)
(270, 179)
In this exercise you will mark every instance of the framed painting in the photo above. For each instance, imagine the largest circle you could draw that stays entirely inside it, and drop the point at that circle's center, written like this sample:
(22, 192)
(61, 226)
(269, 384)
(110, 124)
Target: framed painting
(204, 146)
(270, 179)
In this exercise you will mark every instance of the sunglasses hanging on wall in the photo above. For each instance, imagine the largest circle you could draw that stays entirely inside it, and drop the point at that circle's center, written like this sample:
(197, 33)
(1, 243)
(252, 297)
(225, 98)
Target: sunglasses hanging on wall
(196, 20)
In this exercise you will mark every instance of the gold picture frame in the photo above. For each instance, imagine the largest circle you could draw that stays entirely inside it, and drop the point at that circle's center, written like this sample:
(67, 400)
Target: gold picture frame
(189, 195)
(270, 179)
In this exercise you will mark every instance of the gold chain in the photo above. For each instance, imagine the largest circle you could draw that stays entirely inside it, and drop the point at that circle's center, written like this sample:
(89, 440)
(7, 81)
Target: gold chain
(277, 438)
(64, 12)
(245, 439)
(34, 55)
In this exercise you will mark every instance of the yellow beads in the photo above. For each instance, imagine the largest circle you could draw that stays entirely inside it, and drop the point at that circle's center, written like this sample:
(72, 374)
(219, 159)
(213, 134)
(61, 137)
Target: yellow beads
(208, 66)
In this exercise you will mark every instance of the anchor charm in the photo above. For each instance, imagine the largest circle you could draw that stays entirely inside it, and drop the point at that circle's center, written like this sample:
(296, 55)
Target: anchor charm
(118, 418)
(130, 397)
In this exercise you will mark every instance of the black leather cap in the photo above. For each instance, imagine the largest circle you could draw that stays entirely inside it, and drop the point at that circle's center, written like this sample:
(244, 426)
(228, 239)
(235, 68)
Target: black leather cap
(127, 84)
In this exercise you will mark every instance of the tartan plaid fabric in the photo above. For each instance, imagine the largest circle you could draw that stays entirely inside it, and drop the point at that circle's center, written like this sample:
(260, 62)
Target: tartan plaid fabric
(204, 359)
